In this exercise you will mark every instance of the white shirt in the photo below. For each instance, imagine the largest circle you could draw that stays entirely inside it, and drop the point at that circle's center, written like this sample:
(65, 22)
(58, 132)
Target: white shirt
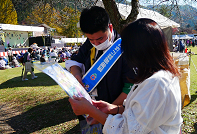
(2, 63)
(10, 52)
(68, 54)
(154, 107)
(53, 54)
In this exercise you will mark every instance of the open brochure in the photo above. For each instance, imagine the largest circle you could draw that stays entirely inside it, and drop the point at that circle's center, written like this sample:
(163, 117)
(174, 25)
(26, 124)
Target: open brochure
(63, 78)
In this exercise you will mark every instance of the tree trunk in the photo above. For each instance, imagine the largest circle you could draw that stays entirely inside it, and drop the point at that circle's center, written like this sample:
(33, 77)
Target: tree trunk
(115, 17)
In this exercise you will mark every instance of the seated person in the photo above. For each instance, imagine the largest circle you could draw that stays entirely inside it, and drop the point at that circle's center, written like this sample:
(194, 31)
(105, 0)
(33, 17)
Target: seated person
(68, 54)
(53, 55)
(21, 53)
(59, 53)
(6, 60)
(42, 58)
(63, 56)
(37, 56)
(14, 63)
(2, 64)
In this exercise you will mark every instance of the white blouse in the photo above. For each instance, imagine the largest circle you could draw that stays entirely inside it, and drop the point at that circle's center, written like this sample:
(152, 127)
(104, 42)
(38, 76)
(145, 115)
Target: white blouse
(153, 106)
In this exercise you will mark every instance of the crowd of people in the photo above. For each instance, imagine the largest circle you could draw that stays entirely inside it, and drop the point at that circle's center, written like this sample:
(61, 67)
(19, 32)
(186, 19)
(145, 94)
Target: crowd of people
(40, 54)
(9, 61)
(55, 54)
(182, 44)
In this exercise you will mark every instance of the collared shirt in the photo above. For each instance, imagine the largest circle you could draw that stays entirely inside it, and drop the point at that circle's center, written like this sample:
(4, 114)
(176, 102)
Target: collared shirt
(118, 74)
(153, 106)
(53, 54)
(9, 52)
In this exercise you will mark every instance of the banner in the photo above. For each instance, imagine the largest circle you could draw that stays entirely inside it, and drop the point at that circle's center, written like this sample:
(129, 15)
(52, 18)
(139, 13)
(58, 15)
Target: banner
(102, 66)
(2, 37)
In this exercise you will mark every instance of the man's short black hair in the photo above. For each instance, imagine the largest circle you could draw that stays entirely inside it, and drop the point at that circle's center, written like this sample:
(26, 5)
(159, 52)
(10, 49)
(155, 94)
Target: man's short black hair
(94, 19)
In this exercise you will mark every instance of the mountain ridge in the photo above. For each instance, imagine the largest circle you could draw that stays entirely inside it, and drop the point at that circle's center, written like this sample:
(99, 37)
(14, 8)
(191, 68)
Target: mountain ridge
(186, 16)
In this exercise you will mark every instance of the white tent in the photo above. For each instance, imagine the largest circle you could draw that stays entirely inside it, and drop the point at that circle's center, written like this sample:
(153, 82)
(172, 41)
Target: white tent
(70, 40)
(21, 28)
(186, 37)
(162, 21)
(175, 37)
(165, 23)
(73, 40)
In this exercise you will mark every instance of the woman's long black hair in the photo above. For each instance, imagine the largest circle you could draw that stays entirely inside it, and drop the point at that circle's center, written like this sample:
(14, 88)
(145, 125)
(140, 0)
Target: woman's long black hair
(145, 47)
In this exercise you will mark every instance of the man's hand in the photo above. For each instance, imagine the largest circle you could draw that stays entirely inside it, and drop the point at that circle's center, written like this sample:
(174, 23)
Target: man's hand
(80, 105)
(77, 73)
(79, 78)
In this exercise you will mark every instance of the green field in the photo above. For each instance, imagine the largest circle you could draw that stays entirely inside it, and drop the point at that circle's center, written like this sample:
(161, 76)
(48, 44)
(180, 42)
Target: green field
(189, 113)
(40, 106)
(34, 106)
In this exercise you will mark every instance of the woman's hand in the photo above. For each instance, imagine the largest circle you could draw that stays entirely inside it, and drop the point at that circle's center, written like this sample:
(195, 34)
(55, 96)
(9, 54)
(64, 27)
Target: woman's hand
(105, 107)
(80, 105)
(102, 106)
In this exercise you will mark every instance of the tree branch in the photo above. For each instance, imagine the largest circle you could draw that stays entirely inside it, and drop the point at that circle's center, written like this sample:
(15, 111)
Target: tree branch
(134, 12)
(114, 15)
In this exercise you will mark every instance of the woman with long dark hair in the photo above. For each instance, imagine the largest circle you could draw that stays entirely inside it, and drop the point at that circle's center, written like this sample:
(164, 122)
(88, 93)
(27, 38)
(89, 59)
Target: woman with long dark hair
(154, 103)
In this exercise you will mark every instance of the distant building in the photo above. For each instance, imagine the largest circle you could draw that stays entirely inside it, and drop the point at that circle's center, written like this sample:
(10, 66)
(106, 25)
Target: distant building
(18, 34)
(47, 29)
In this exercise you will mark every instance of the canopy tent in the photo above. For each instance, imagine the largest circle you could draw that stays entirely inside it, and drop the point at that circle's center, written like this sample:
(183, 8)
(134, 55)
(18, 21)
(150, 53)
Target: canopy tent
(181, 37)
(70, 40)
(21, 28)
(186, 37)
(176, 37)
(162, 21)
(165, 23)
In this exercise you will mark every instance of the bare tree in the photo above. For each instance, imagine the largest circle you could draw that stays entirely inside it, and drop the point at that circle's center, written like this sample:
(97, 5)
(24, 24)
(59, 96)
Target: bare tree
(115, 17)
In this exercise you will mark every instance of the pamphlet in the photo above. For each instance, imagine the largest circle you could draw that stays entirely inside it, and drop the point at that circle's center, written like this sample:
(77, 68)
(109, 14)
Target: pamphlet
(63, 78)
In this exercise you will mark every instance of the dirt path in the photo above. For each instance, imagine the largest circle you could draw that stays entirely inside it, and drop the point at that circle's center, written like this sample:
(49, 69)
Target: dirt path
(7, 112)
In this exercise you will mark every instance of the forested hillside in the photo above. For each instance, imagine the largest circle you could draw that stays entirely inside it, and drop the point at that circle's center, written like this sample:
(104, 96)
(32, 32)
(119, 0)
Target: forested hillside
(185, 15)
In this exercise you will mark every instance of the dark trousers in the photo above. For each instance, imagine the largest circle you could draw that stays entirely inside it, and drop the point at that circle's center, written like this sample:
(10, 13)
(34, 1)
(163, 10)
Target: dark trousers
(10, 58)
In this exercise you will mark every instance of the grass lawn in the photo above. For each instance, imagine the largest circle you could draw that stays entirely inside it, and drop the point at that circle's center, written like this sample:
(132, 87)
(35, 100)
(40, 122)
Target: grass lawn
(34, 106)
(189, 113)
(40, 106)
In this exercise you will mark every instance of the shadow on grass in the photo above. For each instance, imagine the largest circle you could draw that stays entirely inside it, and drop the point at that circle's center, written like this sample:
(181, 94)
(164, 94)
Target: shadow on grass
(193, 98)
(42, 80)
(43, 116)
(195, 127)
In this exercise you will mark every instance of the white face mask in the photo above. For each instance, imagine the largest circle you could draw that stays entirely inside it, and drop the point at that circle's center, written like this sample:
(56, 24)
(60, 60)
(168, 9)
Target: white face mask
(103, 45)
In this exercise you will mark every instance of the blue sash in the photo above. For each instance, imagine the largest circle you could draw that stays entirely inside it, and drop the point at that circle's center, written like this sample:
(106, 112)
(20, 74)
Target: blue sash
(102, 66)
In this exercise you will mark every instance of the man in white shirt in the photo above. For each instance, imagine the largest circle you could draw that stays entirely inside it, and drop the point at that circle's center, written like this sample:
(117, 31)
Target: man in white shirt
(53, 55)
(114, 86)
